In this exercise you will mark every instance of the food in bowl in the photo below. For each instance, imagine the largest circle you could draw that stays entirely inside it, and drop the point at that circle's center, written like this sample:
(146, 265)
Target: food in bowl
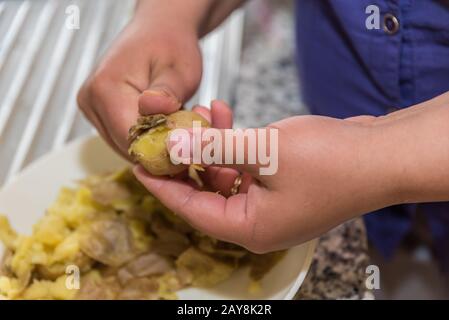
(122, 242)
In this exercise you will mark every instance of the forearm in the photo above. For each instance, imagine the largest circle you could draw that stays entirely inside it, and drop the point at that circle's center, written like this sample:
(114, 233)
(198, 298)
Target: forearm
(217, 13)
(414, 145)
(201, 16)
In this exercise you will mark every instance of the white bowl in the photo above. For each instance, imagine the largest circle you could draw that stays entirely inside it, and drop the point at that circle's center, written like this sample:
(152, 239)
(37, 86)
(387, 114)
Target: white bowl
(26, 198)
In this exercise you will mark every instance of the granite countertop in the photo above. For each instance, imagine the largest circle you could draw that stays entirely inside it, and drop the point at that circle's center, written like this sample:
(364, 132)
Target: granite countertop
(268, 91)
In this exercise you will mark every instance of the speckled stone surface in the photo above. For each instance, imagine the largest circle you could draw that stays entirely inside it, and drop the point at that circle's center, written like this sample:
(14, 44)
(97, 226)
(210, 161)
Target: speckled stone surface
(268, 91)
(338, 267)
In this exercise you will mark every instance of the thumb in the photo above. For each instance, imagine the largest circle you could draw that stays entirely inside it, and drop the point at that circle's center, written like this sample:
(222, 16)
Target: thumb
(167, 92)
(362, 119)
(254, 151)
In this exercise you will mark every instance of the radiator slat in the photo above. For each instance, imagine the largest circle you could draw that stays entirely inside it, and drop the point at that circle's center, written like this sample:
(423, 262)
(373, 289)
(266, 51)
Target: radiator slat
(43, 64)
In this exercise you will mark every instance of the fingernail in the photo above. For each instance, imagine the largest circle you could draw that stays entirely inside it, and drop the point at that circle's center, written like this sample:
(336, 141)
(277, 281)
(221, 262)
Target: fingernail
(161, 93)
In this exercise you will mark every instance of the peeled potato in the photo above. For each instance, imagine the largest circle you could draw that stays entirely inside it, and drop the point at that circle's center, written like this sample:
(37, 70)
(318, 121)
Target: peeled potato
(148, 140)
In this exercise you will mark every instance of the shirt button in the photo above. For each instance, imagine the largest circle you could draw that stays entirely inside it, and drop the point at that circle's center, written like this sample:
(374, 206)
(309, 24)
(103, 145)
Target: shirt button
(391, 24)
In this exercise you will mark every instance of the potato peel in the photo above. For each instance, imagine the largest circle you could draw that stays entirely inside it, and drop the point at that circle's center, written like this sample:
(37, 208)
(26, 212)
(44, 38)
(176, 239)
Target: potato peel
(148, 143)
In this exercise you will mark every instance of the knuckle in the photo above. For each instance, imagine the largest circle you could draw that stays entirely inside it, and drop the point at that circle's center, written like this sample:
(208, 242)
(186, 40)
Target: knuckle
(191, 74)
(93, 90)
(82, 99)
(97, 84)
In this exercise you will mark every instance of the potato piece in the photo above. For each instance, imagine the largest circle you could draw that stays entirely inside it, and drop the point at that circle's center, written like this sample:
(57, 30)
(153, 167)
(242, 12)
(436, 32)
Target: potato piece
(49, 290)
(260, 265)
(7, 235)
(10, 288)
(140, 289)
(95, 287)
(168, 241)
(55, 270)
(51, 230)
(5, 262)
(220, 249)
(148, 140)
(108, 241)
(206, 271)
(146, 265)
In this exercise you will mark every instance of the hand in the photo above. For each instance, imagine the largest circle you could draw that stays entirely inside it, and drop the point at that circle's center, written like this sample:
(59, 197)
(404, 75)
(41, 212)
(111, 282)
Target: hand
(153, 67)
(329, 171)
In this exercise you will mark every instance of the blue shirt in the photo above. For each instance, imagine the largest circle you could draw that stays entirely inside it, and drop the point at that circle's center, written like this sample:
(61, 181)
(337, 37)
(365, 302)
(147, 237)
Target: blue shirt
(347, 69)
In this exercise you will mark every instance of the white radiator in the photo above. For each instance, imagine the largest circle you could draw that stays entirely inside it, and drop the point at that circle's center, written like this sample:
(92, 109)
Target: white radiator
(43, 63)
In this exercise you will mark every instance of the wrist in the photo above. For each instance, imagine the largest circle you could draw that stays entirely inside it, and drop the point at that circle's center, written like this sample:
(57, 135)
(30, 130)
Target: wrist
(414, 144)
(384, 163)
(173, 15)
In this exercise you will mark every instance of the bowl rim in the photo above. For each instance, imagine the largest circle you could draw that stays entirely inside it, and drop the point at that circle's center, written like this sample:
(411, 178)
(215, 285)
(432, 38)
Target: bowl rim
(311, 246)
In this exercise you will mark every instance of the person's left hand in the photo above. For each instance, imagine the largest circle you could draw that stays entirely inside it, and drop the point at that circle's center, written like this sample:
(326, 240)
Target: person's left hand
(329, 171)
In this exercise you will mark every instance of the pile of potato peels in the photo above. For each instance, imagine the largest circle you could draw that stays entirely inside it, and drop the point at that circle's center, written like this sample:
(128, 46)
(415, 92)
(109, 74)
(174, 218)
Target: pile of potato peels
(124, 243)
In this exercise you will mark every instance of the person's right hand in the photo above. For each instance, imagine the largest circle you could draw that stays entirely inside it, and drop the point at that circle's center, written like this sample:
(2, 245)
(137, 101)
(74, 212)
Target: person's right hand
(153, 67)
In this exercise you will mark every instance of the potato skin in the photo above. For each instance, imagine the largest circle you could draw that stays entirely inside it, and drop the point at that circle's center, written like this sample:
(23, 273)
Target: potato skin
(149, 149)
